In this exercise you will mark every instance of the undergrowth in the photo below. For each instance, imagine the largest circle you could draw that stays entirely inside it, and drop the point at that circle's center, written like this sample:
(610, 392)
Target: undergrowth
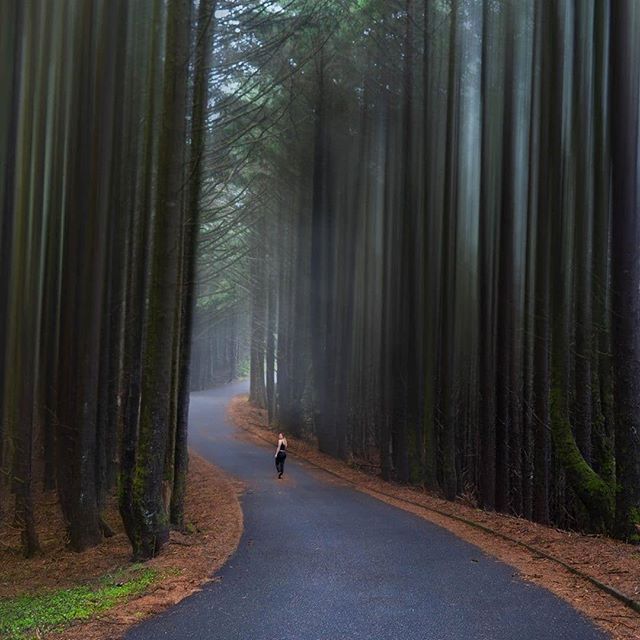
(32, 615)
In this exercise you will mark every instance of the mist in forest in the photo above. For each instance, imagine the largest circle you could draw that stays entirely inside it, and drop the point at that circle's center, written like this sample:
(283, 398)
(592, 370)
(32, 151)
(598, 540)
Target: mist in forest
(431, 272)
(413, 224)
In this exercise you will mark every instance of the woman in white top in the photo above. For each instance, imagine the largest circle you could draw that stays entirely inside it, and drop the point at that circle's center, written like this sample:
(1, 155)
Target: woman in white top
(281, 454)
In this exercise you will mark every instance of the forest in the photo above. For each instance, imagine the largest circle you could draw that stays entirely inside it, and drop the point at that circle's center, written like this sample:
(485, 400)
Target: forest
(448, 283)
(414, 224)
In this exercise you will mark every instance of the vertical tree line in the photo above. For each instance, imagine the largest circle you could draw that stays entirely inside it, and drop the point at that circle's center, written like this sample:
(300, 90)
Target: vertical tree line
(456, 250)
(104, 118)
(414, 224)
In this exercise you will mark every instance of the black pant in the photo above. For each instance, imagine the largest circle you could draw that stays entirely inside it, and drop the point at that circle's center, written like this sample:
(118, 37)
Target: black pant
(280, 461)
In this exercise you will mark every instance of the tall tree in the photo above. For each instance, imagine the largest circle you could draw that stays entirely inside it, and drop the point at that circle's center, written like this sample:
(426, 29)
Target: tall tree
(151, 493)
(199, 111)
(625, 256)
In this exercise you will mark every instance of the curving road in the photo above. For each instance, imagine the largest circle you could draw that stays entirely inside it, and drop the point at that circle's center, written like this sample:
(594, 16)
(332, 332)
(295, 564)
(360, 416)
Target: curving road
(319, 561)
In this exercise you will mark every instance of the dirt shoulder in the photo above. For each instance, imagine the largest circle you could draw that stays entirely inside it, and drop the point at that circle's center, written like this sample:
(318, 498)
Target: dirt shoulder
(214, 525)
(612, 562)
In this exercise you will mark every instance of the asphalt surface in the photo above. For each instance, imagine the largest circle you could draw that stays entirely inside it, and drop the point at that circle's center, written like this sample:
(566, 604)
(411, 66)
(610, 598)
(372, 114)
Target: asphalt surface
(319, 560)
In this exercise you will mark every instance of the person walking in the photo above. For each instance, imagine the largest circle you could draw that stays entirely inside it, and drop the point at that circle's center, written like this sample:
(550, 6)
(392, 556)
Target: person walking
(281, 454)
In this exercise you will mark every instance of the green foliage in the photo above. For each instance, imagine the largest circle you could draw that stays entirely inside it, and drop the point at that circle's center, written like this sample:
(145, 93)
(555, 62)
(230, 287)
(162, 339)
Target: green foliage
(634, 516)
(243, 368)
(29, 616)
(595, 494)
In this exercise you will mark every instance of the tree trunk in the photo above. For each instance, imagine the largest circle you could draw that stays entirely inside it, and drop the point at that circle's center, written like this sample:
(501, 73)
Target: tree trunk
(204, 44)
(625, 255)
(151, 519)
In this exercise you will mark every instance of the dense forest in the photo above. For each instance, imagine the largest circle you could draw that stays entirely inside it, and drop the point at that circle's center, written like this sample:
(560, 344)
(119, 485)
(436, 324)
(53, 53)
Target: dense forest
(445, 280)
(414, 223)
(102, 131)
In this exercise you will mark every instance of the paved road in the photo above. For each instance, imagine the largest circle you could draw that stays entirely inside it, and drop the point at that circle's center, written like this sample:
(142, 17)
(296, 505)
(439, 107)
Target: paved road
(319, 561)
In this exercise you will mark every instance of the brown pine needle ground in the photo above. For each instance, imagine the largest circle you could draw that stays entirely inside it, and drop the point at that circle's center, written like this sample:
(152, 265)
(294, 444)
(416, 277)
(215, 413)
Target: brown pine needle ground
(214, 527)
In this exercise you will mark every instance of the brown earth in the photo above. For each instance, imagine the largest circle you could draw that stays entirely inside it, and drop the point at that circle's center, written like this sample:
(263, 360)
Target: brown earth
(214, 523)
(610, 561)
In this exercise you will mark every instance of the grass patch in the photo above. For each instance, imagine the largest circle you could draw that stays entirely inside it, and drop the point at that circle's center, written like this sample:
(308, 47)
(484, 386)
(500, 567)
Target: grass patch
(29, 616)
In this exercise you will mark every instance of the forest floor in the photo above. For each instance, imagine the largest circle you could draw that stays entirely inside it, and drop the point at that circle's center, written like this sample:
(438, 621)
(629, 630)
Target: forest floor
(99, 594)
(612, 562)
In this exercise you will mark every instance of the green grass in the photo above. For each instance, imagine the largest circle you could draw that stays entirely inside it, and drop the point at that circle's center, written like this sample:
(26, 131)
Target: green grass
(27, 616)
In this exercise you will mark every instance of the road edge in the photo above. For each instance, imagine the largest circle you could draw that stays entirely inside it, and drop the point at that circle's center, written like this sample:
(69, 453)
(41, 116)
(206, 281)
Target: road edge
(577, 589)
